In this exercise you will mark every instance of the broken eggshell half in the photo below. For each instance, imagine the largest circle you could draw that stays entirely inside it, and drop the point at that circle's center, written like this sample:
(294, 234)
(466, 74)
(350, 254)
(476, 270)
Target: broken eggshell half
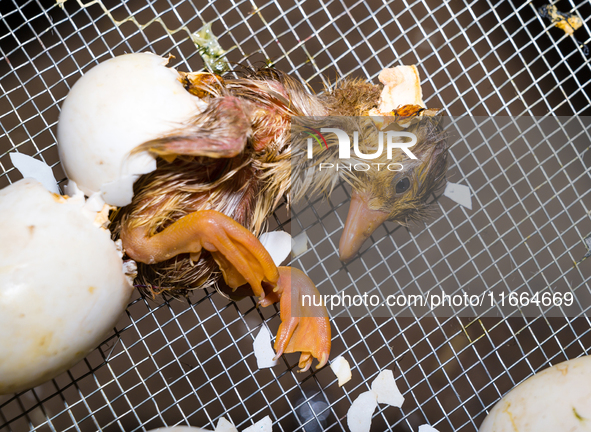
(62, 285)
(116, 106)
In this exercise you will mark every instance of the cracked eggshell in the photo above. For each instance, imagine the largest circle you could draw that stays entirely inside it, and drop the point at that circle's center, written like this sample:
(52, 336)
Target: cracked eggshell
(361, 411)
(556, 399)
(181, 429)
(427, 428)
(263, 349)
(222, 426)
(386, 389)
(263, 425)
(278, 244)
(62, 286)
(116, 106)
(340, 367)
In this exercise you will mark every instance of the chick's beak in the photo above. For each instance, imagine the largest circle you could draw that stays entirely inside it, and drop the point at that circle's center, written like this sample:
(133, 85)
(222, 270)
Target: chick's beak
(361, 223)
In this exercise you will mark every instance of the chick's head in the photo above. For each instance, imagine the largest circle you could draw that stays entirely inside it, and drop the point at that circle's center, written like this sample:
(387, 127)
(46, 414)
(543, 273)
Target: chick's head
(404, 194)
(396, 188)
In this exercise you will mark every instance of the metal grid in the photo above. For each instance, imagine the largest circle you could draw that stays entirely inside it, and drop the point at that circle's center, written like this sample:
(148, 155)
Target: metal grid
(171, 362)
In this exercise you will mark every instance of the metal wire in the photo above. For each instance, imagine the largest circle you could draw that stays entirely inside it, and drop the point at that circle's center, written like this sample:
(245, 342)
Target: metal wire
(170, 362)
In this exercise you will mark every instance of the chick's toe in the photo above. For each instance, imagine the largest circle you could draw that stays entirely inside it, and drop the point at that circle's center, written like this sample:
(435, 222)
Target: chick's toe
(304, 326)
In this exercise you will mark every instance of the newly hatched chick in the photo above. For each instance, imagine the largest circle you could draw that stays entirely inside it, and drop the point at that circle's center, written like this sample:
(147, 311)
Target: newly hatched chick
(223, 174)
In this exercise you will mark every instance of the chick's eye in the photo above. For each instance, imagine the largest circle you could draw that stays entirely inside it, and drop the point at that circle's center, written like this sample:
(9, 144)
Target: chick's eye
(402, 185)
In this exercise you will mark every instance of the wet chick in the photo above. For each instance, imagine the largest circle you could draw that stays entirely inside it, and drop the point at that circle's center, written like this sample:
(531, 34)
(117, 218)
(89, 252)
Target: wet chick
(197, 217)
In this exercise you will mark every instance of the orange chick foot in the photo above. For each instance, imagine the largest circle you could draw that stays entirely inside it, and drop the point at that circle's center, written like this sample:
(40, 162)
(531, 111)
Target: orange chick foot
(304, 327)
(239, 254)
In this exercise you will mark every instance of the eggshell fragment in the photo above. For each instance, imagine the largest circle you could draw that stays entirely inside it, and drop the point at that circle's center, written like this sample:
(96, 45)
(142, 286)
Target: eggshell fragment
(402, 86)
(119, 193)
(30, 167)
(361, 411)
(263, 351)
(181, 429)
(556, 399)
(386, 389)
(116, 106)
(299, 244)
(458, 193)
(62, 286)
(225, 426)
(222, 426)
(72, 190)
(278, 244)
(427, 428)
(263, 425)
(340, 367)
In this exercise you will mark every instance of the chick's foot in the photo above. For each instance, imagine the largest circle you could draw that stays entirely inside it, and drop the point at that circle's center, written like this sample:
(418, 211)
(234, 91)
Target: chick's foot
(239, 254)
(304, 327)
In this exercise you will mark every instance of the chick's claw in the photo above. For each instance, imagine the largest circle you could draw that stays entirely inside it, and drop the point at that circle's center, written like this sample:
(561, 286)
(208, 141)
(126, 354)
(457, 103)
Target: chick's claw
(239, 254)
(304, 327)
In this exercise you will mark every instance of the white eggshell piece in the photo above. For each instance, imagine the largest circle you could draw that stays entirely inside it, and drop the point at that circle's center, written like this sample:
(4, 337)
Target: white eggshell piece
(225, 426)
(299, 244)
(556, 399)
(94, 203)
(340, 367)
(278, 244)
(263, 425)
(386, 389)
(181, 429)
(459, 193)
(263, 351)
(427, 428)
(62, 286)
(361, 411)
(119, 193)
(402, 86)
(30, 167)
(72, 190)
(116, 106)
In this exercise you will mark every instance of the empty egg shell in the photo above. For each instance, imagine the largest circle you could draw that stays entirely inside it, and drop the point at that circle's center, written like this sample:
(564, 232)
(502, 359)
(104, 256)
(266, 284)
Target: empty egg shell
(116, 106)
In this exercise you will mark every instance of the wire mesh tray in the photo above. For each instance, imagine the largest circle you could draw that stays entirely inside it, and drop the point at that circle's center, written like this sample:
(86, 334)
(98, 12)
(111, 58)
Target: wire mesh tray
(170, 362)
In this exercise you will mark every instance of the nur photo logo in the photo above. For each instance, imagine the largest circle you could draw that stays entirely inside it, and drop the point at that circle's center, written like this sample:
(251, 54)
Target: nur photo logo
(350, 150)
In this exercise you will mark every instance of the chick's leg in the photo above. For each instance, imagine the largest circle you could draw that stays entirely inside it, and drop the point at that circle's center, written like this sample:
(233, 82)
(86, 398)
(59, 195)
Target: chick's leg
(304, 327)
(239, 254)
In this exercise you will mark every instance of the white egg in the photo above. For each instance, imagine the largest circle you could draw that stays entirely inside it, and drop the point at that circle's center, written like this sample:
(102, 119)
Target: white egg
(62, 285)
(116, 106)
(556, 399)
